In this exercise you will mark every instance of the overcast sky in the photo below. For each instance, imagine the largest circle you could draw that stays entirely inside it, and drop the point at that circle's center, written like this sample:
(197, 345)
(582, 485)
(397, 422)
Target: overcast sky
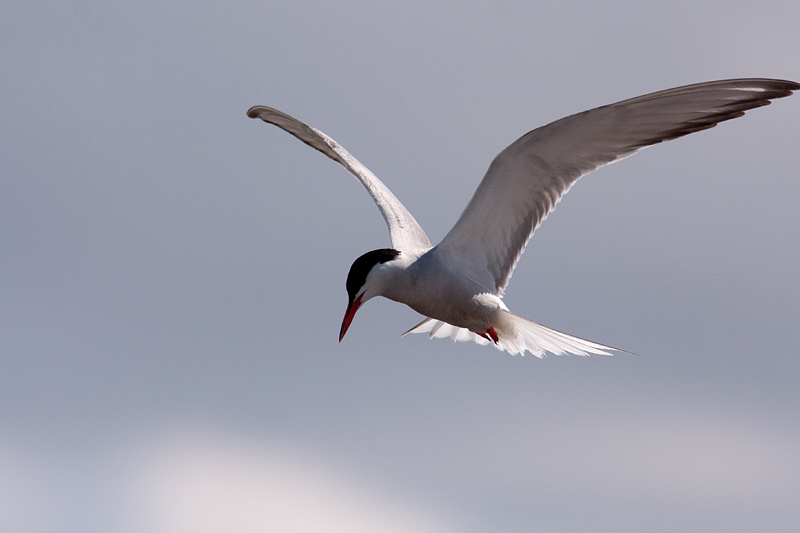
(172, 273)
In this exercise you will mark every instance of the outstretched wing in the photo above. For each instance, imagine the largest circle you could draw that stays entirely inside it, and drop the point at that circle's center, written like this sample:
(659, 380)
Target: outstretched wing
(405, 232)
(527, 179)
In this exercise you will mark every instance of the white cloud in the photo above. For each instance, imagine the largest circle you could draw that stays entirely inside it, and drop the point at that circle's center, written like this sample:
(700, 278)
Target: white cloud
(195, 482)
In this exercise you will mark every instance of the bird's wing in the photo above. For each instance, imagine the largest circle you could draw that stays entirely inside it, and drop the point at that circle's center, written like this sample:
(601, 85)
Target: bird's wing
(405, 232)
(527, 179)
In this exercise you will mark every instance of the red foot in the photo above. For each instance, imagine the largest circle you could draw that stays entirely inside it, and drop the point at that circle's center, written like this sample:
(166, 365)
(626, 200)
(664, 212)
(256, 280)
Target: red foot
(493, 334)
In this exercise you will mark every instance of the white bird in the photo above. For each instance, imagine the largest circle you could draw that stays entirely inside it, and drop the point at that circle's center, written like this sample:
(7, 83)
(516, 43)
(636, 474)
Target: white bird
(458, 285)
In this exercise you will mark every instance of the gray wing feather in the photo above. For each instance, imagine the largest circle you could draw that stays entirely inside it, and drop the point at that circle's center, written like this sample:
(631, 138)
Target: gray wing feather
(405, 232)
(527, 179)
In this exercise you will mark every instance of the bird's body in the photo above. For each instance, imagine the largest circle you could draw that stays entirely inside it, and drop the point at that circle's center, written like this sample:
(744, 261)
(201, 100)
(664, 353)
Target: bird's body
(440, 288)
(458, 284)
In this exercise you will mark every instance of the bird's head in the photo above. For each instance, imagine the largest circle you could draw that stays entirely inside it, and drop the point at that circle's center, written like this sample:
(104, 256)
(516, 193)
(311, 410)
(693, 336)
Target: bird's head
(360, 285)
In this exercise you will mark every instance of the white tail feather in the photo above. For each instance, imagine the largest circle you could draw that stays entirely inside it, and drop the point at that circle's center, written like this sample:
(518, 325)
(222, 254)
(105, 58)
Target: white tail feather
(539, 339)
(517, 336)
(440, 330)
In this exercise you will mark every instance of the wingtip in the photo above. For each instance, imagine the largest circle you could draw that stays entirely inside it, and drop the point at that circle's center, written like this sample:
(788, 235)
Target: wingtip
(790, 85)
(255, 111)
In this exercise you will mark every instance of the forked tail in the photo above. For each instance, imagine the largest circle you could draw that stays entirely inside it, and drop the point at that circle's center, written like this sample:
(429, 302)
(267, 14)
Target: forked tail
(517, 336)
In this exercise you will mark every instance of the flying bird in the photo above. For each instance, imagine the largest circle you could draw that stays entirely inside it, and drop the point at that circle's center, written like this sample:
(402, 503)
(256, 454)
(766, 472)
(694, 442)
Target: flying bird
(458, 284)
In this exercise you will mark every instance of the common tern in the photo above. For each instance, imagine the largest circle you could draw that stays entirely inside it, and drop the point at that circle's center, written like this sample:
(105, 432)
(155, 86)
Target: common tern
(458, 284)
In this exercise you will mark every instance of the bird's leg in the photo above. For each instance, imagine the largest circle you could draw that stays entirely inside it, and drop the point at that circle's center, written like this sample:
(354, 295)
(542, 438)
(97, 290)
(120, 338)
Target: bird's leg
(491, 334)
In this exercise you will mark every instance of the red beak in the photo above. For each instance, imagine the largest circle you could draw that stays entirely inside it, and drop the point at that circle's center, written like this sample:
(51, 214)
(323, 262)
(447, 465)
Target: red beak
(348, 316)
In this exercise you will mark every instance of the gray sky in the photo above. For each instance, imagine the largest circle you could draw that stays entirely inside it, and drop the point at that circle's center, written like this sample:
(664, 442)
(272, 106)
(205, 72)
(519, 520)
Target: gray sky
(172, 273)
